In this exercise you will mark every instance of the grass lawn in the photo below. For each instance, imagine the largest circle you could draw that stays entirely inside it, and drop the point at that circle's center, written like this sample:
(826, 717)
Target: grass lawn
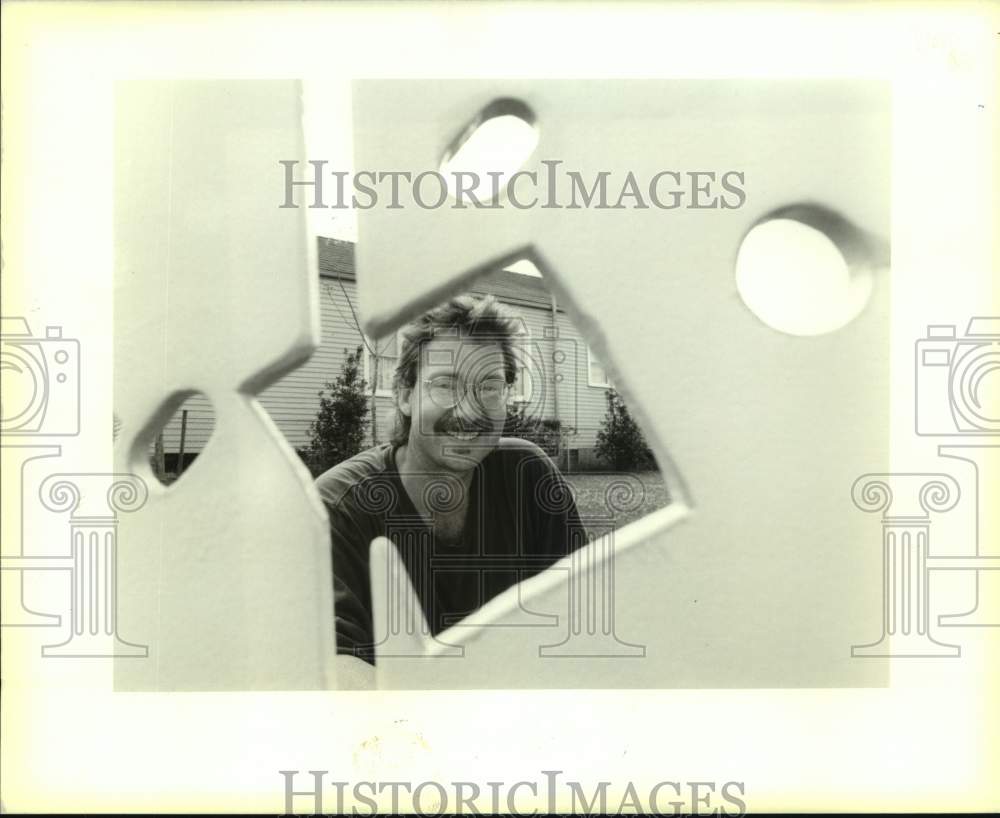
(646, 492)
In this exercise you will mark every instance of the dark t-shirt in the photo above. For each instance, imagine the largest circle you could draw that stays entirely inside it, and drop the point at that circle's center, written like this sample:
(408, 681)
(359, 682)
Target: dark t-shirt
(520, 519)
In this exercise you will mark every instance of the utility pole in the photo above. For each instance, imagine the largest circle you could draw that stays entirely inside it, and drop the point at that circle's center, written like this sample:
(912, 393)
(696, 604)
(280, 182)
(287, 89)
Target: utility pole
(555, 379)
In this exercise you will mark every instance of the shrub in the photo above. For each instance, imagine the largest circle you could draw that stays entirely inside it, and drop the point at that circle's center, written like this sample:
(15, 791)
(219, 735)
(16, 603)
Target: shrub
(338, 432)
(620, 441)
(549, 434)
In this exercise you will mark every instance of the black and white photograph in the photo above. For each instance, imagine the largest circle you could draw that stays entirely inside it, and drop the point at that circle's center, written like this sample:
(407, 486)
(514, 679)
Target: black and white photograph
(612, 388)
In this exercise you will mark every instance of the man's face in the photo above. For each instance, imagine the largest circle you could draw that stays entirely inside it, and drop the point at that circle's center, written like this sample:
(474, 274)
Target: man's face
(456, 438)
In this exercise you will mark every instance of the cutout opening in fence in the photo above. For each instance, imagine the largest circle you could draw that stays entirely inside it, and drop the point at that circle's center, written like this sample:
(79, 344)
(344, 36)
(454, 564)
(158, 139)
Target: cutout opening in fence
(479, 164)
(804, 271)
(488, 430)
(563, 397)
(182, 438)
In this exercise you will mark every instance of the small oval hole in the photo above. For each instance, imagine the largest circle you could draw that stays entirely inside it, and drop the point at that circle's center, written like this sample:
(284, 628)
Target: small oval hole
(479, 163)
(181, 439)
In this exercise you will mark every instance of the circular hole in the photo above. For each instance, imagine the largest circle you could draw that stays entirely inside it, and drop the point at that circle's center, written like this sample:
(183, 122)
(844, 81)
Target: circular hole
(797, 279)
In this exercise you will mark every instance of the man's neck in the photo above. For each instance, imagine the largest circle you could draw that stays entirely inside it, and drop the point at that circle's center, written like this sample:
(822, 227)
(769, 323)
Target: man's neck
(415, 472)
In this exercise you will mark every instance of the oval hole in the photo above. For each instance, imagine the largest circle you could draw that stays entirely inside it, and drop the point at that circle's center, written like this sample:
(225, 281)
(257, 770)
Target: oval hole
(180, 440)
(498, 141)
(804, 271)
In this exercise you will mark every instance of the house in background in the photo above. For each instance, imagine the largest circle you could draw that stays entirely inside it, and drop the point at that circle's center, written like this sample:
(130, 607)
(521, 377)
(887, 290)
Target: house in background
(558, 377)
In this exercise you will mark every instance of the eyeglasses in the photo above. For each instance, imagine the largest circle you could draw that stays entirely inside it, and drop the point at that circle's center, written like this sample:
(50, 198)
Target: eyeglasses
(447, 391)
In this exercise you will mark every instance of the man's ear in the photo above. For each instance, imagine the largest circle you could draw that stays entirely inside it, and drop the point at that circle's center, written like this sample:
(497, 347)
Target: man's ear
(403, 400)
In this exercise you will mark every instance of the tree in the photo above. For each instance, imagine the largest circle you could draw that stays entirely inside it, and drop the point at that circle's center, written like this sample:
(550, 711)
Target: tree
(372, 347)
(620, 441)
(338, 432)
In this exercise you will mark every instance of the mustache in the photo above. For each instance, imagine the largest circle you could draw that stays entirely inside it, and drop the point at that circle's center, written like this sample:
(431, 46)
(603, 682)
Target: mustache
(451, 423)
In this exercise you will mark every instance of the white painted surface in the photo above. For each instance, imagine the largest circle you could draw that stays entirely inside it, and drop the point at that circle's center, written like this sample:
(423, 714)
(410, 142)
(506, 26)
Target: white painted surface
(761, 433)
(226, 573)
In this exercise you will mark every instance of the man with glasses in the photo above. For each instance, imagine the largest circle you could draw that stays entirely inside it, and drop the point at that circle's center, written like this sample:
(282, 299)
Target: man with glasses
(471, 512)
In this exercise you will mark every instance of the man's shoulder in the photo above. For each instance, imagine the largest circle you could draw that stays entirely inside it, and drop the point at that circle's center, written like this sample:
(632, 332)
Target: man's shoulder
(335, 483)
(530, 473)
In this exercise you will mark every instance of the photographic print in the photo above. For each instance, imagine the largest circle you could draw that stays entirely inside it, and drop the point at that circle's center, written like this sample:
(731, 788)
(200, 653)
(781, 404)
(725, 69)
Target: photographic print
(463, 408)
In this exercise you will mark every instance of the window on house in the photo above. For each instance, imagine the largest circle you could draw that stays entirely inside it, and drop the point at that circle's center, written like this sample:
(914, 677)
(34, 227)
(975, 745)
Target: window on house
(596, 374)
(521, 390)
(380, 368)
(523, 387)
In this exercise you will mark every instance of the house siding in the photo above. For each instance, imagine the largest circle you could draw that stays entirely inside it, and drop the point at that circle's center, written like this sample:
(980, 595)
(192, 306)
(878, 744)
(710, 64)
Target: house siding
(293, 401)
